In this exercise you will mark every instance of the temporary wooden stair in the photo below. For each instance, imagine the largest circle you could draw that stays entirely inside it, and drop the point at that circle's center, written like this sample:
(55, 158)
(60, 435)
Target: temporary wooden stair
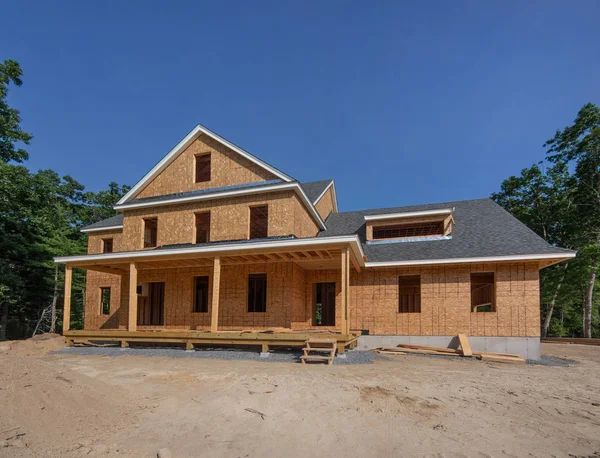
(319, 346)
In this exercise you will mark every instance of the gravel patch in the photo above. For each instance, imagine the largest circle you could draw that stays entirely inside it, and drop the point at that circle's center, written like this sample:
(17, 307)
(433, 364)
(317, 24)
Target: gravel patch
(551, 361)
(278, 356)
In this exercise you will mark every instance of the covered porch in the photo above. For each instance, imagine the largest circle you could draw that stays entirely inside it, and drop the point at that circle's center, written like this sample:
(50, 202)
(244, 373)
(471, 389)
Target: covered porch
(303, 278)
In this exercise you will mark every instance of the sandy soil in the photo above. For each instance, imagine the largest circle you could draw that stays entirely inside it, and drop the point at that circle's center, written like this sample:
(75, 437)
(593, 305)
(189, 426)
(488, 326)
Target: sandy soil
(71, 405)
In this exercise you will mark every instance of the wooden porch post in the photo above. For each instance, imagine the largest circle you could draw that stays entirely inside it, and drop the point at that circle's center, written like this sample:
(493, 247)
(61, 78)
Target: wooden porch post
(133, 300)
(214, 317)
(67, 308)
(345, 290)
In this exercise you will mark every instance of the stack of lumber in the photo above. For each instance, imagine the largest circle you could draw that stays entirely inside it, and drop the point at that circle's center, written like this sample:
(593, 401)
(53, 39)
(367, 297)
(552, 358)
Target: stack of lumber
(319, 350)
(463, 351)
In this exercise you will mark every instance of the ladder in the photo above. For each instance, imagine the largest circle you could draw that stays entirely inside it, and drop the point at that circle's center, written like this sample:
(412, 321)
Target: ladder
(321, 347)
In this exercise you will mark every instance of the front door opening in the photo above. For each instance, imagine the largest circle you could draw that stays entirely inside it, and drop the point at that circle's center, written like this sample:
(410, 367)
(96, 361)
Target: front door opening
(324, 310)
(151, 304)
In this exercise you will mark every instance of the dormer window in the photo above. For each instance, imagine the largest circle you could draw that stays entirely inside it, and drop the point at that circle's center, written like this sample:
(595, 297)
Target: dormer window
(408, 230)
(203, 168)
(409, 226)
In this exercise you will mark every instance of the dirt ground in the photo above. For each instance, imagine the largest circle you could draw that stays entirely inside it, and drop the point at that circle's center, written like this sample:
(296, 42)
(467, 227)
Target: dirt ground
(132, 406)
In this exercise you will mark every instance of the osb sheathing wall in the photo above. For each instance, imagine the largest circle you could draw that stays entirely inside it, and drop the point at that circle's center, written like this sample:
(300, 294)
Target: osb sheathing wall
(325, 204)
(285, 297)
(229, 219)
(227, 168)
(94, 319)
(95, 240)
(445, 299)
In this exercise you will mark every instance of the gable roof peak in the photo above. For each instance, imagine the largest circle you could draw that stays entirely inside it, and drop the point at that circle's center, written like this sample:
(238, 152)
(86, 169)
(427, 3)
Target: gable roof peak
(182, 145)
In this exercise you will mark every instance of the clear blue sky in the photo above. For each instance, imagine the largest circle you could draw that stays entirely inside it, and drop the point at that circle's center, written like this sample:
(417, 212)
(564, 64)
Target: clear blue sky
(400, 102)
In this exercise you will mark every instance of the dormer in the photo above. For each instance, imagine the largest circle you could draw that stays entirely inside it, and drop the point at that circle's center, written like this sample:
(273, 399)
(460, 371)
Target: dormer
(409, 226)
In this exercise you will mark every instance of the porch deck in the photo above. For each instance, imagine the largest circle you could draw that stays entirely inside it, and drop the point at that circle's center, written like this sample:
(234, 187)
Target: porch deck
(264, 339)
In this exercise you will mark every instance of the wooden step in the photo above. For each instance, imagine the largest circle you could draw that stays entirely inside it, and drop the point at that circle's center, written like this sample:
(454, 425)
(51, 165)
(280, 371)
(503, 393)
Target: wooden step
(319, 348)
(324, 359)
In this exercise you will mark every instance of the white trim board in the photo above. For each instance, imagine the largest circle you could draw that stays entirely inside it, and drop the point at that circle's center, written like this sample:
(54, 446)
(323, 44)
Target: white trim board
(98, 229)
(444, 211)
(517, 257)
(295, 186)
(353, 240)
(181, 146)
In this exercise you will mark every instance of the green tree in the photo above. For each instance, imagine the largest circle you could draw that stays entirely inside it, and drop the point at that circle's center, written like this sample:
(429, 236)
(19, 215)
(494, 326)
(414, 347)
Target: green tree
(543, 200)
(578, 146)
(10, 121)
(40, 217)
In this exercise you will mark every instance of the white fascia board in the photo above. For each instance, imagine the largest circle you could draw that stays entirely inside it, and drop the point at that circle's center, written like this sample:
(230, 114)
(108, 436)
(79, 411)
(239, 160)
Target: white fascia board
(98, 229)
(520, 257)
(311, 208)
(233, 193)
(445, 211)
(332, 186)
(181, 146)
(307, 243)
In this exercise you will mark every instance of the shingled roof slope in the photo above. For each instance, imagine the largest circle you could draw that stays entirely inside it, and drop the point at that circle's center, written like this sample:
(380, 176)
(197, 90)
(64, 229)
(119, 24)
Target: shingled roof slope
(116, 220)
(482, 229)
(314, 189)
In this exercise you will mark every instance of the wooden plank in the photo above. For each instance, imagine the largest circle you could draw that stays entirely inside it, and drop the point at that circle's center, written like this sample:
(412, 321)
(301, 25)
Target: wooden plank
(132, 324)
(465, 345)
(345, 289)
(303, 336)
(214, 318)
(501, 359)
(424, 347)
(67, 304)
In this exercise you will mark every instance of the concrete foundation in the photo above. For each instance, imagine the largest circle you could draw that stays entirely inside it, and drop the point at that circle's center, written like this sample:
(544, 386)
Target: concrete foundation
(527, 347)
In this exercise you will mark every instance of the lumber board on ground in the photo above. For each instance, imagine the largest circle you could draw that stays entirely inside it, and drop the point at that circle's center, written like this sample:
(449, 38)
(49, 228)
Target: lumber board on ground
(417, 350)
(465, 345)
(425, 347)
(501, 359)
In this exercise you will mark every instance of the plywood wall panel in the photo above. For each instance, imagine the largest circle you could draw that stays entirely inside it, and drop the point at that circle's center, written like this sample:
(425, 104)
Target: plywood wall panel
(445, 299)
(227, 168)
(230, 220)
(325, 205)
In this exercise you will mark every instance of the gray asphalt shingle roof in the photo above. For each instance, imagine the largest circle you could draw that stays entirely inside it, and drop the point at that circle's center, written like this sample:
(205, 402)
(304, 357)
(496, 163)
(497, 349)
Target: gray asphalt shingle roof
(482, 229)
(116, 220)
(255, 185)
(313, 189)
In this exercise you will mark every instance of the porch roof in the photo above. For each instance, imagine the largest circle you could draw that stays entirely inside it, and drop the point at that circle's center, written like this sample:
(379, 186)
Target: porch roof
(304, 251)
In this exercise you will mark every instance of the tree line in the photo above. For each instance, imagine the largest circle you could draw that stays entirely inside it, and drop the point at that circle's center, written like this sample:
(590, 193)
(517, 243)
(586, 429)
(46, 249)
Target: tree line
(41, 214)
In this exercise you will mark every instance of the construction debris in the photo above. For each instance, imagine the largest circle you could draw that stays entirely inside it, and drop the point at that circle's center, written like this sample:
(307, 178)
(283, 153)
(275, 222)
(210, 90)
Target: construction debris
(463, 351)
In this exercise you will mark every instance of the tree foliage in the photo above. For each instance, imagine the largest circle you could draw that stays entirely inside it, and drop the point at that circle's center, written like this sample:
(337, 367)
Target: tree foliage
(559, 199)
(41, 214)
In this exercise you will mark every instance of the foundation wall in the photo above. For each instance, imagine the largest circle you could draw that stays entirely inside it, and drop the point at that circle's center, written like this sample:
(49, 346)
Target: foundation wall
(527, 347)
(445, 300)
(227, 168)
